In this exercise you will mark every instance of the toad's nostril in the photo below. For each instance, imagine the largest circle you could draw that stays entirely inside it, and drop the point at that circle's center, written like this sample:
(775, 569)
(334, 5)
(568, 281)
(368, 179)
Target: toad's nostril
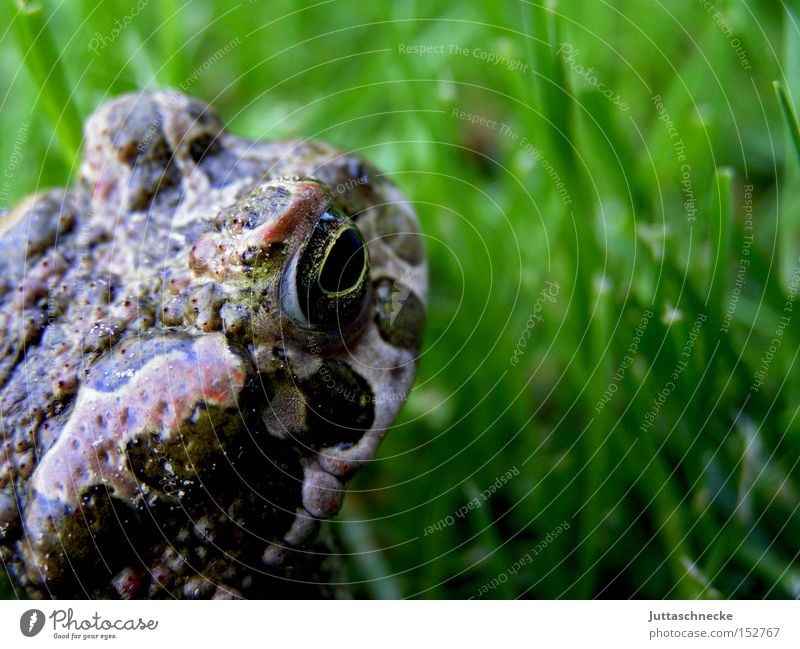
(203, 145)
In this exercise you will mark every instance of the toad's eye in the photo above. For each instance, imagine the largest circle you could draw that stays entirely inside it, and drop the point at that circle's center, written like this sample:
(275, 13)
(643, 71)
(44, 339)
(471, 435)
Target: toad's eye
(331, 275)
(344, 264)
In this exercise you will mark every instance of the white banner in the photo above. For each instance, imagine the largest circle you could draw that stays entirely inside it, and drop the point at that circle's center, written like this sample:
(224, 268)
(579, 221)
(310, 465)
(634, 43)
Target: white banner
(402, 624)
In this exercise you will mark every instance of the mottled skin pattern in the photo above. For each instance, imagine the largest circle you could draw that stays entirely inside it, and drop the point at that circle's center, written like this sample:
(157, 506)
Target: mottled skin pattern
(200, 344)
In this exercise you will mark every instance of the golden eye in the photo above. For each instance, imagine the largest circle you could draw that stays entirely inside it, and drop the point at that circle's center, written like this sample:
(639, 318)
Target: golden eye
(332, 274)
(345, 262)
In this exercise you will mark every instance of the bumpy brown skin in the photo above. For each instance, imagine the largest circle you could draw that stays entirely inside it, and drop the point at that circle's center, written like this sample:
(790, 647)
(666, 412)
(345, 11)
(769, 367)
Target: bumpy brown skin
(171, 427)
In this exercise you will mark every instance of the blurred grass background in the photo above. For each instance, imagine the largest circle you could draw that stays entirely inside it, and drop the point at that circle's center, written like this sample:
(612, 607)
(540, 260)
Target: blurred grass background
(703, 501)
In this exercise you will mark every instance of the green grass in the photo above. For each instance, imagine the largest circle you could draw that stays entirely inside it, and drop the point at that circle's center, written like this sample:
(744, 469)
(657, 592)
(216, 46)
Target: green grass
(700, 502)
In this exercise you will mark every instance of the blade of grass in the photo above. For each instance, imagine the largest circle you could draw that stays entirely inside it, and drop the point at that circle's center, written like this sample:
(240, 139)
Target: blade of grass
(720, 226)
(789, 116)
(172, 42)
(484, 523)
(356, 535)
(666, 506)
(767, 564)
(556, 102)
(789, 222)
(42, 58)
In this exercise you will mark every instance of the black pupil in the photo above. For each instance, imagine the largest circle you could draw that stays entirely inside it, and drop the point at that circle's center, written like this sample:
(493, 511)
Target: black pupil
(342, 268)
